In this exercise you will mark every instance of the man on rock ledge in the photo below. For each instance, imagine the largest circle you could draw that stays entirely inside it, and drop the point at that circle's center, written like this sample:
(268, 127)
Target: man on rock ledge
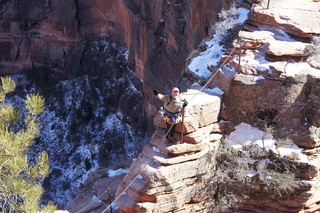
(172, 106)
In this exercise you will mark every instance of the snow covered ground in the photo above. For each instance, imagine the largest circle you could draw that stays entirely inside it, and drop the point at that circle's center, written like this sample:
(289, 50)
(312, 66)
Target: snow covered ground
(245, 135)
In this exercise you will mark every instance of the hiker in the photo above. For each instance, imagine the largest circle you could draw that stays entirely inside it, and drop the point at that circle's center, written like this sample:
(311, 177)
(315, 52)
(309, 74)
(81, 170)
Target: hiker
(172, 106)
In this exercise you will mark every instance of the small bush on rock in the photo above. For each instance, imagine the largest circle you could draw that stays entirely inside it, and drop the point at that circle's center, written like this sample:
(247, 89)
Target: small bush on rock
(314, 49)
(252, 172)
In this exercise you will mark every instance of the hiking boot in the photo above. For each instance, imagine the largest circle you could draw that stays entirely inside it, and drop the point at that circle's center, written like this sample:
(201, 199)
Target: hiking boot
(170, 141)
(173, 140)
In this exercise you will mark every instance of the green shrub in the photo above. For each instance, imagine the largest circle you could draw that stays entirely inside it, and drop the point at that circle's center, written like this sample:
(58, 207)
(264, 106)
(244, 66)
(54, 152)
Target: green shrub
(20, 184)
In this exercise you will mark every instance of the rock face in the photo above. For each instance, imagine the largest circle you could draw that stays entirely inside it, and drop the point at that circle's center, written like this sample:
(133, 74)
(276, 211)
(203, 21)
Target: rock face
(288, 103)
(156, 33)
(275, 86)
(176, 177)
(299, 18)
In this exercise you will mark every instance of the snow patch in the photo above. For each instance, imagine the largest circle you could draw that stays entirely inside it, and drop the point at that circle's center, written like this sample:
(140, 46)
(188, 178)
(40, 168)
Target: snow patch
(245, 135)
(112, 173)
(211, 57)
(293, 69)
(155, 149)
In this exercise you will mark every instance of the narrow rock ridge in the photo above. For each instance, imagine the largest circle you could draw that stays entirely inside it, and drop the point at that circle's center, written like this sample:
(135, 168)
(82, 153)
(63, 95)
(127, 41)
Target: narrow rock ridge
(175, 177)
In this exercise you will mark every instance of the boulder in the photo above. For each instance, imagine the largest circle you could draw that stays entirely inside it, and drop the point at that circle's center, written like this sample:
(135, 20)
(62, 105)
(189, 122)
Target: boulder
(280, 48)
(255, 39)
(299, 18)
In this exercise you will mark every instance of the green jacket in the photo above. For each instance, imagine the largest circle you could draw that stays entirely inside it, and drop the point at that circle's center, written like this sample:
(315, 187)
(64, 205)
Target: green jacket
(170, 104)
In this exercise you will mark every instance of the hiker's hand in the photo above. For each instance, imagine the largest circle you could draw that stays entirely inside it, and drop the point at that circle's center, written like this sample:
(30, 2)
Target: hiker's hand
(155, 92)
(185, 104)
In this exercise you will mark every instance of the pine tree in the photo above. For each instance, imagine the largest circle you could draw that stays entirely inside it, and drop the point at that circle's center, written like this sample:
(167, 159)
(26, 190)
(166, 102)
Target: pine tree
(20, 180)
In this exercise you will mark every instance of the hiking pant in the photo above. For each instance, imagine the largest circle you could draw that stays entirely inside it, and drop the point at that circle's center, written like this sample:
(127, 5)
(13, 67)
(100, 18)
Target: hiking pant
(172, 117)
(173, 129)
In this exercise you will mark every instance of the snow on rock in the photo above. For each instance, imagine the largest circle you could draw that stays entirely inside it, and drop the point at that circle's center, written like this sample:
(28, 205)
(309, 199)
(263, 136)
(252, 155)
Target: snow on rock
(295, 68)
(120, 171)
(211, 57)
(247, 135)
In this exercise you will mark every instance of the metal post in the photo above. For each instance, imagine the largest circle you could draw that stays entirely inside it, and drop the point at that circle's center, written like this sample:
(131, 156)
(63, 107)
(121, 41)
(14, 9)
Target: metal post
(268, 4)
(239, 67)
(110, 199)
(181, 139)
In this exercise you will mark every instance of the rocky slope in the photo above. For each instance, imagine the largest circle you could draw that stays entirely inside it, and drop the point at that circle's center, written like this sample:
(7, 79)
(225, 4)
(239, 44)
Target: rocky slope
(267, 81)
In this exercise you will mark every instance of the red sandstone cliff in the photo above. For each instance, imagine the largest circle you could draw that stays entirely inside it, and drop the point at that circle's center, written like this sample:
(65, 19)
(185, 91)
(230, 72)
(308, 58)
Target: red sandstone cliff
(158, 34)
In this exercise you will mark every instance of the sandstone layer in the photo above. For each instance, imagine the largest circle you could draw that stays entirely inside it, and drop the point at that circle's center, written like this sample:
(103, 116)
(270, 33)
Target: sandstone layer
(274, 85)
(175, 177)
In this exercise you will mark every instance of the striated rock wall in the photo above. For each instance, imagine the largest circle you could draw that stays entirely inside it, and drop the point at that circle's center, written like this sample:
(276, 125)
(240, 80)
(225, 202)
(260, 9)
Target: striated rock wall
(158, 34)
(37, 32)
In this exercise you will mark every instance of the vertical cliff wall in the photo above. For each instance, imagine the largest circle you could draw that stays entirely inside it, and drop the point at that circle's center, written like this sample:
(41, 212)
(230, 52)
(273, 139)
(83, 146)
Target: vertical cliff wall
(158, 34)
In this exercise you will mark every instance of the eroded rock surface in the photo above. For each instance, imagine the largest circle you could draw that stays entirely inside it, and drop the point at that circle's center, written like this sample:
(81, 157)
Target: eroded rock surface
(274, 85)
(176, 177)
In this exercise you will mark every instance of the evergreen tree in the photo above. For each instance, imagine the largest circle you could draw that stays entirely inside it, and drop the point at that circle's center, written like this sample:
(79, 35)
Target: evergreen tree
(20, 180)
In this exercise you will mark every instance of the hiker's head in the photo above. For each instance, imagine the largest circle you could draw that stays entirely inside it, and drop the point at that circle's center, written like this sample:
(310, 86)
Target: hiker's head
(175, 92)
